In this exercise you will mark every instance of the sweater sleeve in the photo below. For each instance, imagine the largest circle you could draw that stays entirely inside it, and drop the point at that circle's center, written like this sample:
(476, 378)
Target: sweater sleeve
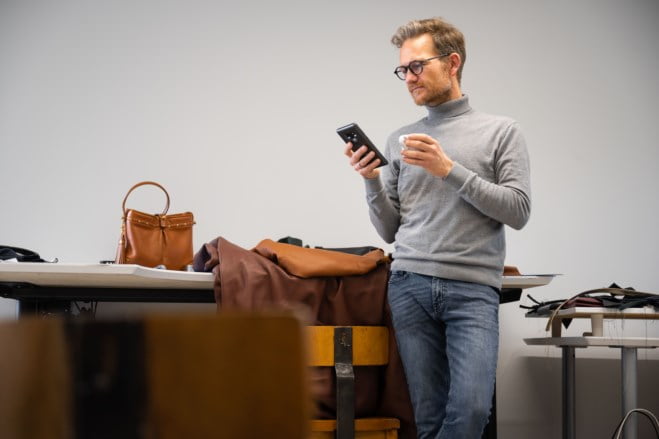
(383, 203)
(508, 198)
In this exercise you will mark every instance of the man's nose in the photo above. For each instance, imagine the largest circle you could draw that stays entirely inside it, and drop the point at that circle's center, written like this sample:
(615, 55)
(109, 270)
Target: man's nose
(410, 77)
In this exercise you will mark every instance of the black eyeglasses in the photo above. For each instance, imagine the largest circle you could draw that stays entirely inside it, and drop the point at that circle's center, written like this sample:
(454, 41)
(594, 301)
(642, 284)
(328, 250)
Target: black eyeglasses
(415, 67)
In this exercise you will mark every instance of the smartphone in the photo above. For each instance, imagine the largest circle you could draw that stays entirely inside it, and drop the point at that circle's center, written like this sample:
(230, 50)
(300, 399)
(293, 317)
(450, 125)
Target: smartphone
(352, 133)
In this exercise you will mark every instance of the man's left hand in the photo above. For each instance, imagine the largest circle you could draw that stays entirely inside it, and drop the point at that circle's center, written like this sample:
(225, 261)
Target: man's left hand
(426, 152)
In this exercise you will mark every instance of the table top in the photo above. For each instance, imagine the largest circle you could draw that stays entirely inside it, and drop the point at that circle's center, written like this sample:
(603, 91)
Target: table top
(583, 342)
(647, 312)
(102, 275)
(136, 276)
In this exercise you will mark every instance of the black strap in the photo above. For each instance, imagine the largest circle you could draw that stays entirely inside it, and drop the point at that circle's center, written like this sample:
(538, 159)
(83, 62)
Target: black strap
(20, 254)
(345, 383)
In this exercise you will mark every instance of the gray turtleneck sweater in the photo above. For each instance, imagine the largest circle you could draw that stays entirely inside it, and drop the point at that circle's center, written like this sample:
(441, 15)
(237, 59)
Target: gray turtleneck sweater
(453, 227)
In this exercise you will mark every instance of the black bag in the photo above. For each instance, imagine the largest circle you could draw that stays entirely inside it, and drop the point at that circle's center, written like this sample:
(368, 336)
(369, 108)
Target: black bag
(20, 254)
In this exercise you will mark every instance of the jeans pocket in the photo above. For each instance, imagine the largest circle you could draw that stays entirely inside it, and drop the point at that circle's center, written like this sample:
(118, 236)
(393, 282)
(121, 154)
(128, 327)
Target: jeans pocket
(398, 276)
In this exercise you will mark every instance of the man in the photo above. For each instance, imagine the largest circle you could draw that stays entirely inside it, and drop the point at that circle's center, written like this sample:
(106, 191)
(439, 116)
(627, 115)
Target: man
(455, 178)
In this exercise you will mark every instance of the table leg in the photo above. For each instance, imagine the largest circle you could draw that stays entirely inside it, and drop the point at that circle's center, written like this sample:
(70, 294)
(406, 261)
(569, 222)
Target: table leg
(597, 325)
(569, 406)
(629, 389)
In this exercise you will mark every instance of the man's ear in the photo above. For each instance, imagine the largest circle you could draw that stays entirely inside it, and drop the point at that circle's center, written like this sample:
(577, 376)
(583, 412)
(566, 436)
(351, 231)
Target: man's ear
(455, 62)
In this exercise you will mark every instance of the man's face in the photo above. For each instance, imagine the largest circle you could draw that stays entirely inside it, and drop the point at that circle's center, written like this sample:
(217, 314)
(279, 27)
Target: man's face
(434, 85)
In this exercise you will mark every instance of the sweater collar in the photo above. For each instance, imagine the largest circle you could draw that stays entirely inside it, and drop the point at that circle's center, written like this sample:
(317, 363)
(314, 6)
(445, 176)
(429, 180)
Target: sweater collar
(451, 108)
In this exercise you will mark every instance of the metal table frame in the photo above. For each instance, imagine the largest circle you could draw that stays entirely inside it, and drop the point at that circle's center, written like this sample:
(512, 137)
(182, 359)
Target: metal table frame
(627, 345)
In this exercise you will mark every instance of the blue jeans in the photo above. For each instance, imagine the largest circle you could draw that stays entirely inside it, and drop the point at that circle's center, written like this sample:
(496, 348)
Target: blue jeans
(448, 337)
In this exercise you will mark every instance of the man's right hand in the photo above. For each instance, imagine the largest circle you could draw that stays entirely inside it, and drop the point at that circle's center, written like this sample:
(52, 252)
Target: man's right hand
(359, 158)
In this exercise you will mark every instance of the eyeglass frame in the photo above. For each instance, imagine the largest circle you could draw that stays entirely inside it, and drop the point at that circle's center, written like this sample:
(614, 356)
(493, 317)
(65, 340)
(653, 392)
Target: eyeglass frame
(420, 62)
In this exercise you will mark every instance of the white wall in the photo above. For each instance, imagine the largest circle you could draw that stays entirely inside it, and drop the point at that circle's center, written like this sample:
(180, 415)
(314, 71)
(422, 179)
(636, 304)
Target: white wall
(233, 107)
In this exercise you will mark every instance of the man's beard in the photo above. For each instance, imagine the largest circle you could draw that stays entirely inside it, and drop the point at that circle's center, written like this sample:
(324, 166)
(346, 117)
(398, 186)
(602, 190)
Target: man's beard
(436, 97)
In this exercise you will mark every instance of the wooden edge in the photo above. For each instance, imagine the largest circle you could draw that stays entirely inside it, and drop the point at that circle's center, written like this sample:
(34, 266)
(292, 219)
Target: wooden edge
(370, 345)
(361, 424)
(243, 371)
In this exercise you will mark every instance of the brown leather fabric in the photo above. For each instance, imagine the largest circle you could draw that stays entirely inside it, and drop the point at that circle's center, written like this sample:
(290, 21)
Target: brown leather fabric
(313, 262)
(254, 279)
(511, 270)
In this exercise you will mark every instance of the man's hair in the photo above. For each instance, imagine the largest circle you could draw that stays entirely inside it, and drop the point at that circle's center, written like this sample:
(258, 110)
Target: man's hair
(447, 38)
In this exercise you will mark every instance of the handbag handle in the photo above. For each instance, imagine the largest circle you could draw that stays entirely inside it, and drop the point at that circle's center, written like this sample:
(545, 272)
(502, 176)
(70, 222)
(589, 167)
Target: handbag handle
(142, 183)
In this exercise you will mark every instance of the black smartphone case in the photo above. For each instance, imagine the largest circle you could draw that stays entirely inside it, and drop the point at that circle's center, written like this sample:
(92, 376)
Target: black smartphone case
(352, 133)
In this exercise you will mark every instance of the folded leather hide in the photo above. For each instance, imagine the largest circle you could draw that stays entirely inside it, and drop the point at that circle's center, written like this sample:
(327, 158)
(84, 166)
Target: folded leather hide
(334, 289)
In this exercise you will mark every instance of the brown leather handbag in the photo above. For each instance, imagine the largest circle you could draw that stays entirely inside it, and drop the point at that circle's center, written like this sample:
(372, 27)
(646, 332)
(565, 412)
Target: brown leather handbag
(153, 240)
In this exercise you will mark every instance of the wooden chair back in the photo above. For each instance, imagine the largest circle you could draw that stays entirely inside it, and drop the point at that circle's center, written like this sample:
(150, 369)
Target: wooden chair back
(344, 347)
(167, 377)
